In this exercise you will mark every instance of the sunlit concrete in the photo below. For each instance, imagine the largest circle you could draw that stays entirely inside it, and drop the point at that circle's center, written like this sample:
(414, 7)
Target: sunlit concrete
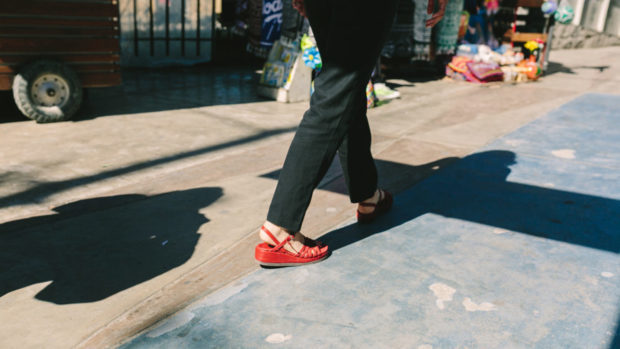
(183, 158)
(513, 246)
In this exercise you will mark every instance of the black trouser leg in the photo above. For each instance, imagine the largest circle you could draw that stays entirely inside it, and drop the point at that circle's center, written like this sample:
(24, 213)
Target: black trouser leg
(349, 42)
(358, 165)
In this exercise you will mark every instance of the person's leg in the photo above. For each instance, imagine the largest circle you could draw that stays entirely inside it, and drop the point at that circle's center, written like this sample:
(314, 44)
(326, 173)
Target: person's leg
(349, 52)
(337, 94)
(358, 165)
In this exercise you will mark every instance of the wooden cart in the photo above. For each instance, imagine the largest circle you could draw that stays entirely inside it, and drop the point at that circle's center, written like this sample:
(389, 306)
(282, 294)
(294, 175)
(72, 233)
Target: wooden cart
(51, 49)
(515, 36)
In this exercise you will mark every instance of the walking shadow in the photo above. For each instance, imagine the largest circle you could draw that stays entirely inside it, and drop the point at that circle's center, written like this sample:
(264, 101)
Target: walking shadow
(475, 190)
(94, 248)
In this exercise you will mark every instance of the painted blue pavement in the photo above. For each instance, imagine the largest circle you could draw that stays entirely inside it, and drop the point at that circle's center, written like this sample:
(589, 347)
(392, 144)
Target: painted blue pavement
(515, 246)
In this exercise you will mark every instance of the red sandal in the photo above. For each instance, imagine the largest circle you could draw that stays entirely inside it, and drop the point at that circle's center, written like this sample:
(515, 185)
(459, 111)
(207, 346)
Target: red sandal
(278, 256)
(382, 206)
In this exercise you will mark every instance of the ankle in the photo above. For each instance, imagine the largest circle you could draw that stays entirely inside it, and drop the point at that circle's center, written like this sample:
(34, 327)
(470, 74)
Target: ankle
(374, 198)
(274, 229)
(278, 232)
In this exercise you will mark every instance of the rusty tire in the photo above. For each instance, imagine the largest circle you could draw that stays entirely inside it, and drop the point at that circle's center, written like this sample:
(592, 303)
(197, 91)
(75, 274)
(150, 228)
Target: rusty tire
(47, 91)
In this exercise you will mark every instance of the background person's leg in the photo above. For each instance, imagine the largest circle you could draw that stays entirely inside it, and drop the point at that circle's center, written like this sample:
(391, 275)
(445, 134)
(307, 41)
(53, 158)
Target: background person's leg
(349, 43)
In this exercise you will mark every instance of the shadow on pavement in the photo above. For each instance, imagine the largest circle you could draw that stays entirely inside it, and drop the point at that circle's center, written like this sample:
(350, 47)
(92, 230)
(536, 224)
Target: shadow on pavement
(167, 89)
(475, 190)
(40, 190)
(393, 176)
(94, 248)
(555, 67)
(615, 343)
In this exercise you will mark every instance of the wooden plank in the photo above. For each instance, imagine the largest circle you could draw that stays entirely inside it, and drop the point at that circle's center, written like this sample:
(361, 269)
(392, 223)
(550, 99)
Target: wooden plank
(54, 22)
(46, 46)
(88, 80)
(523, 37)
(76, 58)
(25, 32)
(5, 82)
(101, 79)
(7, 69)
(79, 68)
(96, 68)
(58, 8)
(529, 3)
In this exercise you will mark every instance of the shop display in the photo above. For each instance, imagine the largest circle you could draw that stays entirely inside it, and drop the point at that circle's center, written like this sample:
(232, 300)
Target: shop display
(491, 41)
(285, 77)
(530, 68)
(549, 7)
(524, 52)
(411, 39)
(421, 33)
(371, 97)
(277, 69)
(311, 55)
(481, 64)
(564, 13)
(447, 31)
(264, 25)
(485, 72)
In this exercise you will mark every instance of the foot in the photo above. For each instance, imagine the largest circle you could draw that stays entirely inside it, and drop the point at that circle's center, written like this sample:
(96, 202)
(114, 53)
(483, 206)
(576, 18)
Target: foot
(283, 248)
(374, 199)
(385, 93)
(371, 208)
(298, 241)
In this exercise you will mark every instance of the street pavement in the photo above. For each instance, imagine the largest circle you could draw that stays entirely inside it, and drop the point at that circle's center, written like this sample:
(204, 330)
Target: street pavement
(152, 199)
(513, 246)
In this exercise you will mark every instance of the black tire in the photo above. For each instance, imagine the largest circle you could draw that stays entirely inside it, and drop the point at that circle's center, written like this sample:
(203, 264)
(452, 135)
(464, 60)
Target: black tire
(43, 100)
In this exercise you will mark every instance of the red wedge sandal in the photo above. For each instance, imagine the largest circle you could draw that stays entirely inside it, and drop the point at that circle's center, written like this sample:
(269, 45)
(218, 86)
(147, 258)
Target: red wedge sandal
(382, 206)
(278, 256)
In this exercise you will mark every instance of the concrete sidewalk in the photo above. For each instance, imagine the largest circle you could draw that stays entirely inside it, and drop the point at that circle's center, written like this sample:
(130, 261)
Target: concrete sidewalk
(155, 201)
(513, 246)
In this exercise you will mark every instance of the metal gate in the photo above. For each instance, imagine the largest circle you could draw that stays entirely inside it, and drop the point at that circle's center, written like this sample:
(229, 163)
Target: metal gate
(166, 32)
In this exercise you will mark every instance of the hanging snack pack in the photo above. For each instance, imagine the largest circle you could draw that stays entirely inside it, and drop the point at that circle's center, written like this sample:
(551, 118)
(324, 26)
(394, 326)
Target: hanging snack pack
(277, 69)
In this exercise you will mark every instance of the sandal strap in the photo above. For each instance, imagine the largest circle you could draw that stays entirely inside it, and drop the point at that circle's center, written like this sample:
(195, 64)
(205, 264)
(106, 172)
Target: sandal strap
(367, 204)
(279, 244)
(304, 252)
(270, 235)
(307, 251)
(370, 204)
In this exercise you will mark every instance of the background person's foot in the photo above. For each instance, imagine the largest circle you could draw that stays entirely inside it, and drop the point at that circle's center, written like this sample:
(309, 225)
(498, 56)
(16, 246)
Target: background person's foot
(384, 93)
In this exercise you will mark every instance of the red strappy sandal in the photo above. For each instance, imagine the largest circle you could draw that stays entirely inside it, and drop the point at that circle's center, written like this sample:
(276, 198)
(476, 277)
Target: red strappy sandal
(278, 256)
(382, 206)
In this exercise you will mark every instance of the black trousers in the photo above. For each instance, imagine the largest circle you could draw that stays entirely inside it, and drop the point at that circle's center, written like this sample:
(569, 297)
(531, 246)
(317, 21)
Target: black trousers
(350, 35)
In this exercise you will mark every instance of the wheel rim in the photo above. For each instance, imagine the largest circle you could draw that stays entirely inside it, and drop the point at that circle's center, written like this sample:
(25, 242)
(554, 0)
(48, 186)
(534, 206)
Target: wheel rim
(50, 90)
